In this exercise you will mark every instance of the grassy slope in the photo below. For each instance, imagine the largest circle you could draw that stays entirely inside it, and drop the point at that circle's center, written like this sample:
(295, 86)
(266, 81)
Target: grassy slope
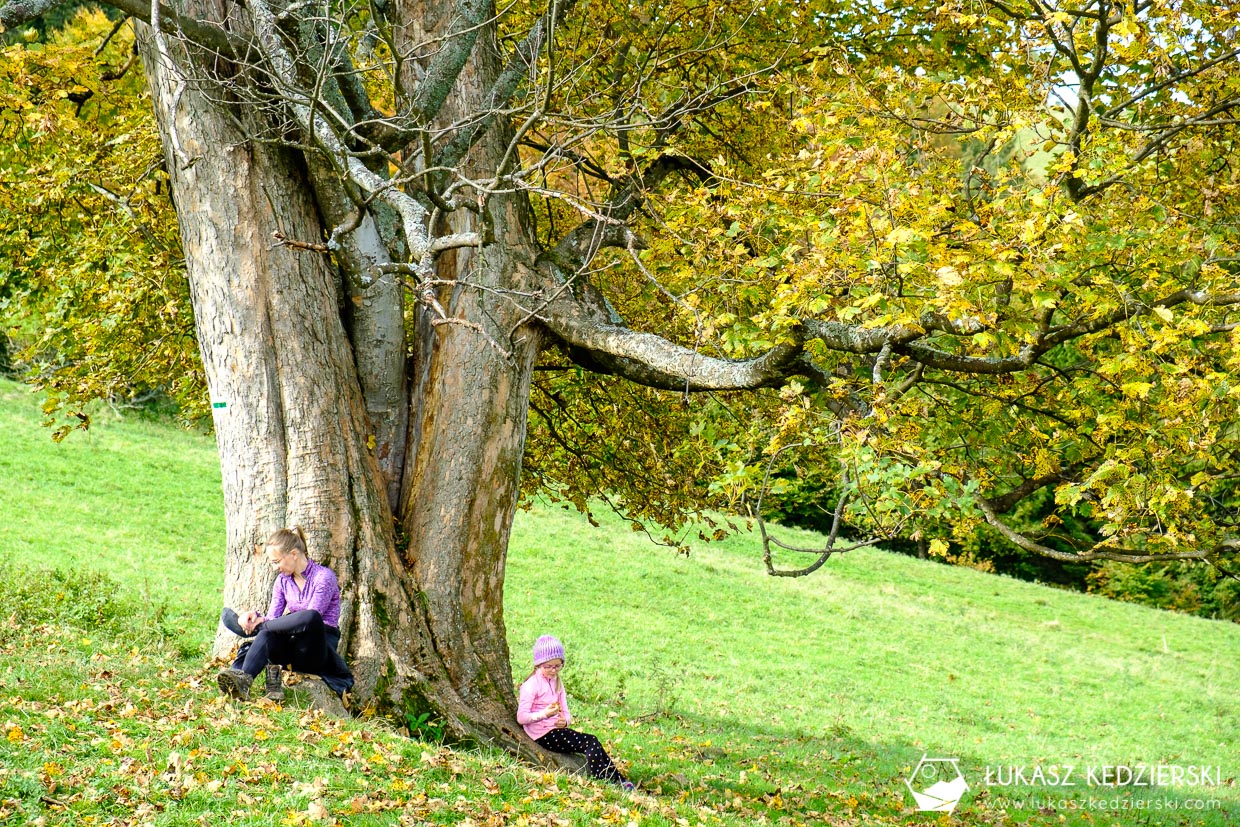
(742, 697)
(136, 499)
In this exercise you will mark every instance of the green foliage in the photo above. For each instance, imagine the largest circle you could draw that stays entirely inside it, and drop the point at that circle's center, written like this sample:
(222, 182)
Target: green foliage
(425, 727)
(1185, 587)
(143, 497)
(1057, 282)
(656, 462)
(911, 171)
(91, 281)
(84, 600)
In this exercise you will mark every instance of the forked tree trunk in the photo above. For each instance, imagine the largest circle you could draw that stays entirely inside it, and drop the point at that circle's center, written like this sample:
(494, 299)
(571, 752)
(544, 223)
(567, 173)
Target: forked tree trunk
(423, 625)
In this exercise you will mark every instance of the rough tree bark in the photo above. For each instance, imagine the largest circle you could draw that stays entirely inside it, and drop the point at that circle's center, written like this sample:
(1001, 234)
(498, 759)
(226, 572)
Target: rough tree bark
(423, 625)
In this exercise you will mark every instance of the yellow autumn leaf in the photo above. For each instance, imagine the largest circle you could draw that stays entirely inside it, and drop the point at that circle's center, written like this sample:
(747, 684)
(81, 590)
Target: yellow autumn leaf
(949, 276)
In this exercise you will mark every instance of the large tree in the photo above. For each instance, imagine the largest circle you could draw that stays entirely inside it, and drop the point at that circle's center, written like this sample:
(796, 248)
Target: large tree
(960, 254)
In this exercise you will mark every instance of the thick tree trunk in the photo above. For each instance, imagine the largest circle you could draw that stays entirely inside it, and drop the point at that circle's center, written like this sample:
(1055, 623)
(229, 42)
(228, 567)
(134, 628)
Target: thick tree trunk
(471, 387)
(423, 631)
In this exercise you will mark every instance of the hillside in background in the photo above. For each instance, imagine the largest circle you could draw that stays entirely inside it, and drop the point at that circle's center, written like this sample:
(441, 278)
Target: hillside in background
(733, 697)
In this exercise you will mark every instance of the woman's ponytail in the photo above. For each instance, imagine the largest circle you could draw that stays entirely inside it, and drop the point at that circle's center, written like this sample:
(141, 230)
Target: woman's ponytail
(287, 539)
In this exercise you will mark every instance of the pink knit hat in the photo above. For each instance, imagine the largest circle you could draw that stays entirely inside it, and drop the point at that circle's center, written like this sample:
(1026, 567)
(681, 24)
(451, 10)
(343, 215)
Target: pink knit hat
(547, 648)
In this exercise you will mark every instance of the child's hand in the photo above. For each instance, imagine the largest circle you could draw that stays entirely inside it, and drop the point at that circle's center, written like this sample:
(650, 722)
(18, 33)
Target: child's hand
(553, 709)
(560, 723)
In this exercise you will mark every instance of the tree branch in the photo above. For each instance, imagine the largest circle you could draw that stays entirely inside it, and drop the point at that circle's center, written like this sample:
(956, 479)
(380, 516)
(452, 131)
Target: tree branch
(824, 553)
(207, 35)
(514, 72)
(18, 12)
(283, 73)
(1005, 502)
(1086, 556)
(655, 362)
(434, 86)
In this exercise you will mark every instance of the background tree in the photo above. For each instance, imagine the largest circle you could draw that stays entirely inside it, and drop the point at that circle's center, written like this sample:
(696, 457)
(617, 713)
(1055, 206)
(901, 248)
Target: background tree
(402, 222)
(91, 273)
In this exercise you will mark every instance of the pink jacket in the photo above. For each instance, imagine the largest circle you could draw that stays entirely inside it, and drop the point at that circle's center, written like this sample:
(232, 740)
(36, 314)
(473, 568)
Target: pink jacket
(538, 693)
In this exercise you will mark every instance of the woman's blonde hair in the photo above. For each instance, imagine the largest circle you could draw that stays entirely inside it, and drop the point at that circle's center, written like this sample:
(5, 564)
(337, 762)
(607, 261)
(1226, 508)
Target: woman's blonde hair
(288, 539)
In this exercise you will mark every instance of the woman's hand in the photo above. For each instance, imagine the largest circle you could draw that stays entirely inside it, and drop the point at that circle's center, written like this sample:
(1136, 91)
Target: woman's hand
(249, 621)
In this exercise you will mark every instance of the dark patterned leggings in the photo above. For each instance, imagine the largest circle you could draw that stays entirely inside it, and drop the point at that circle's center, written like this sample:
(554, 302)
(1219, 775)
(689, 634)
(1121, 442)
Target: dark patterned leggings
(570, 740)
(299, 639)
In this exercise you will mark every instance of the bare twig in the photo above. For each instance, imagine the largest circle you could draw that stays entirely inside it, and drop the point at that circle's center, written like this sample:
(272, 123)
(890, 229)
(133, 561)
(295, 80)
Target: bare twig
(823, 553)
(314, 247)
(124, 207)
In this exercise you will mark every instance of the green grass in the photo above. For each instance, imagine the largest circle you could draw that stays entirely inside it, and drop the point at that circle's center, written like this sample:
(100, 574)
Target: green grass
(137, 499)
(733, 697)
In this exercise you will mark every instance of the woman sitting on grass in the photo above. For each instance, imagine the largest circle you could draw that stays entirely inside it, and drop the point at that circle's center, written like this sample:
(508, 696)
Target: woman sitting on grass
(542, 710)
(300, 630)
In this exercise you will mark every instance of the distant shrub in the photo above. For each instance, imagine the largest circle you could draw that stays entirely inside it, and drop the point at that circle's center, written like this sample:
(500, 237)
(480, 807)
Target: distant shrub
(80, 599)
(83, 599)
(1195, 588)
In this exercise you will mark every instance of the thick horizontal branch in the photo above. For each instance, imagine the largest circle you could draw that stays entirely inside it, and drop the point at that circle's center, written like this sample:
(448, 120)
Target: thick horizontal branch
(902, 339)
(596, 339)
(210, 36)
(455, 241)
(656, 362)
(602, 343)
(18, 12)
(1086, 556)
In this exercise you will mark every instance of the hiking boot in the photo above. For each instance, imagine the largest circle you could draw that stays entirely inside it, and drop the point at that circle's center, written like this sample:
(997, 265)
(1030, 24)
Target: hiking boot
(235, 684)
(275, 691)
(231, 622)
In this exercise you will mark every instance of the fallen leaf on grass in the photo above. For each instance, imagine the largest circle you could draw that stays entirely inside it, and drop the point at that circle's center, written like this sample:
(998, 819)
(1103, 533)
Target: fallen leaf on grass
(317, 811)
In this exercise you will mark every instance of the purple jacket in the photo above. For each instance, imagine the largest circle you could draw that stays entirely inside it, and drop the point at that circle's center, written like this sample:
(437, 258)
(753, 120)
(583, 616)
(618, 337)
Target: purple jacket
(321, 593)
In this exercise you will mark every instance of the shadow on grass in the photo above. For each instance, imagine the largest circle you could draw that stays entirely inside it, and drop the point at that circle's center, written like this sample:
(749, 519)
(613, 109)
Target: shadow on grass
(782, 771)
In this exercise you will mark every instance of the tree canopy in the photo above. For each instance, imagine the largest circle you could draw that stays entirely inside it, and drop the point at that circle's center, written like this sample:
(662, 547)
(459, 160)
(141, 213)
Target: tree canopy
(991, 247)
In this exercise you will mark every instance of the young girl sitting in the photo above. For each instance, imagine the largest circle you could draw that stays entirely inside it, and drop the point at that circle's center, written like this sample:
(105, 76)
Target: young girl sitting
(542, 710)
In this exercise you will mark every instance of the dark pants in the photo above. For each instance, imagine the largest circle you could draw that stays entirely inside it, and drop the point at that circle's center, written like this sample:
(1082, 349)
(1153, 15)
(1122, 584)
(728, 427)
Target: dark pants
(300, 641)
(570, 740)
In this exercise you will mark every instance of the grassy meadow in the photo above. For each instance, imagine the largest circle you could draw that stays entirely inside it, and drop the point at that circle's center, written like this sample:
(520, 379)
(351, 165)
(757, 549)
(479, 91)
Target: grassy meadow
(732, 698)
